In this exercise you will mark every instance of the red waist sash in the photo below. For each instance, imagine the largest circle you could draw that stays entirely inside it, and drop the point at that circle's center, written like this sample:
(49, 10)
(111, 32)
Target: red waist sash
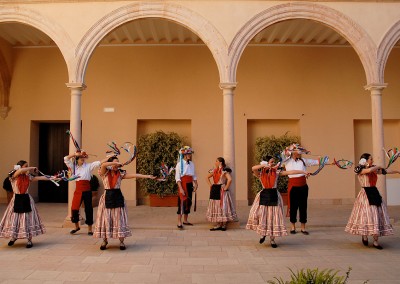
(294, 182)
(82, 185)
(184, 181)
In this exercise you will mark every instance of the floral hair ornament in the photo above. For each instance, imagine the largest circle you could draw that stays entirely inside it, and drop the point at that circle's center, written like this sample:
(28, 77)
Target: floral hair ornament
(184, 151)
(362, 162)
(17, 167)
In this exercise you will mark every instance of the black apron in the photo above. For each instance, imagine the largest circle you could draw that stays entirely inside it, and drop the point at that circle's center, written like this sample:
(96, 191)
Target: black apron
(215, 192)
(269, 197)
(22, 203)
(114, 198)
(374, 198)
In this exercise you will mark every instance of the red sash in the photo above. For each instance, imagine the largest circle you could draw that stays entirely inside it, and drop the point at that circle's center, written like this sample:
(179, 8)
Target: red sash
(81, 186)
(293, 182)
(184, 181)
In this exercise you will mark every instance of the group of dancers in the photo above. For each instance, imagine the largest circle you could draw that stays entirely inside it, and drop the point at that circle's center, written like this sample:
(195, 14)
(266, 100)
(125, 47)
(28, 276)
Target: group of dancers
(368, 218)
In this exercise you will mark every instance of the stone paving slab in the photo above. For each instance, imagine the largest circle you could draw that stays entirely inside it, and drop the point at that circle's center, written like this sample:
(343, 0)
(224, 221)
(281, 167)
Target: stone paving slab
(159, 253)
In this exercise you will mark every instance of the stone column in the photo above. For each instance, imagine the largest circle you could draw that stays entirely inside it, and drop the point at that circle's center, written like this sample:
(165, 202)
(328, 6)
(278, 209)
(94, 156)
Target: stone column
(378, 143)
(228, 127)
(76, 130)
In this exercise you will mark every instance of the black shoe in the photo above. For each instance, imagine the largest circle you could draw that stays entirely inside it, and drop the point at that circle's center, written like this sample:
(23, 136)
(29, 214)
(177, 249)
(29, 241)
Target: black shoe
(223, 228)
(216, 229)
(365, 242)
(29, 244)
(90, 233)
(305, 232)
(104, 245)
(180, 227)
(74, 231)
(11, 242)
(377, 247)
(262, 240)
(293, 232)
(273, 244)
(187, 224)
(122, 246)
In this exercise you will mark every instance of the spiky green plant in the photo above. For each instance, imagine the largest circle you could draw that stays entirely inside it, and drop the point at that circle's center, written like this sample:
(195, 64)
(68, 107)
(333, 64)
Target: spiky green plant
(314, 276)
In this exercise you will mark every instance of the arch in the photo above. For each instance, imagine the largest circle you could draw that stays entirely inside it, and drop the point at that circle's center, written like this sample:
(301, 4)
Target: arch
(358, 38)
(40, 22)
(385, 47)
(169, 11)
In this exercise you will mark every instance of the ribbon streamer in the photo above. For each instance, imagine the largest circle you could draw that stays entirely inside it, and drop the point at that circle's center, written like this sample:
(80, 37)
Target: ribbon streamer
(165, 172)
(343, 164)
(392, 155)
(127, 147)
(322, 162)
(78, 149)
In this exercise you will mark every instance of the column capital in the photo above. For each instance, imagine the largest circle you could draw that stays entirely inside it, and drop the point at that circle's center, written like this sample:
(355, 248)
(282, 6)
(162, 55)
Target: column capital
(76, 86)
(375, 87)
(4, 111)
(228, 86)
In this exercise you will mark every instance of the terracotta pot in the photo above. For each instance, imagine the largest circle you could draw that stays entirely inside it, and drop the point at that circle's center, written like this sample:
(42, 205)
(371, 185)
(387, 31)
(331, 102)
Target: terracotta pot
(165, 201)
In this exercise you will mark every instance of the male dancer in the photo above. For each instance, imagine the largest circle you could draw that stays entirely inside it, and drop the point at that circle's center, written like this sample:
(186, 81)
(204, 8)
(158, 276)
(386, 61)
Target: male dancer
(185, 177)
(297, 186)
(77, 164)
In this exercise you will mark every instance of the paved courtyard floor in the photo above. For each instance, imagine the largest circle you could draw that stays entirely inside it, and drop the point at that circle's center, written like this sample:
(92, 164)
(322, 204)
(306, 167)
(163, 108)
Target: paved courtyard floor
(159, 253)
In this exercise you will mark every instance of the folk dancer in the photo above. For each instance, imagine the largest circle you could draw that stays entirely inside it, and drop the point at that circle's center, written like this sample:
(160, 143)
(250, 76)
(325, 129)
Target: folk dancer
(297, 186)
(221, 209)
(369, 216)
(112, 217)
(266, 214)
(77, 164)
(21, 219)
(185, 177)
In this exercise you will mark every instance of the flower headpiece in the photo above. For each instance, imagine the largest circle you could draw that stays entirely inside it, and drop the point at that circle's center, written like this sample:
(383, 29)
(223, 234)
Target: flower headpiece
(186, 150)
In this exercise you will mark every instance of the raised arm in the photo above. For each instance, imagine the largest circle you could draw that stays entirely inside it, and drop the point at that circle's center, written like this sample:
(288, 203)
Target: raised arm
(370, 170)
(255, 169)
(128, 176)
(23, 171)
(103, 167)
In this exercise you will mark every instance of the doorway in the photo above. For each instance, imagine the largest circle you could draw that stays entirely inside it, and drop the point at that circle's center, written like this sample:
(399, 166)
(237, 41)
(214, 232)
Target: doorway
(53, 146)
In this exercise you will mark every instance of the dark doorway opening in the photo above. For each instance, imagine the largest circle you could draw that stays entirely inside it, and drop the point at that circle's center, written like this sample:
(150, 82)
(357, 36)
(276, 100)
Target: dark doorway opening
(53, 146)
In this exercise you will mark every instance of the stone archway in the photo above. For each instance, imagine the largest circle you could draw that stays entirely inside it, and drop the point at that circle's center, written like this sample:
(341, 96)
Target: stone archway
(385, 47)
(357, 37)
(179, 14)
(51, 29)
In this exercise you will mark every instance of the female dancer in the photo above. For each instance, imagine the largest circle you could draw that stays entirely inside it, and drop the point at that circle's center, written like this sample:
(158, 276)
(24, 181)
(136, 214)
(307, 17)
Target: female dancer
(220, 207)
(21, 219)
(369, 216)
(112, 218)
(266, 213)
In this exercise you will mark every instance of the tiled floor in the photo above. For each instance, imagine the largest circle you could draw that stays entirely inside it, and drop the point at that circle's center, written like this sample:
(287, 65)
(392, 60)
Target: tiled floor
(159, 253)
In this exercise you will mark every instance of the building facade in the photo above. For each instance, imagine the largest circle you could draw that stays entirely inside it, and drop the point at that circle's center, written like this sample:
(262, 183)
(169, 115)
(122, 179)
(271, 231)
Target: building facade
(220, 73)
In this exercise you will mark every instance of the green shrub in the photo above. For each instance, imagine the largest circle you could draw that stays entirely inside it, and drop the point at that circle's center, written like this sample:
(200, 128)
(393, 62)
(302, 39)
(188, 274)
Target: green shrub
(153, 150)
(314, 276)
(271, 145)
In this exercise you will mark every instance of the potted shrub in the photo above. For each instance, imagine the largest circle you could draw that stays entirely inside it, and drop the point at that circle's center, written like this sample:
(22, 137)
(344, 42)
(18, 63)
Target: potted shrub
(153, 150)
(271, 145)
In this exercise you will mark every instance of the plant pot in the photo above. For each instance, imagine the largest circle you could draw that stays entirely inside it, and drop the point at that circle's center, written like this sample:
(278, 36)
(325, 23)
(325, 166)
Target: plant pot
(164, 201)
(284, 198)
